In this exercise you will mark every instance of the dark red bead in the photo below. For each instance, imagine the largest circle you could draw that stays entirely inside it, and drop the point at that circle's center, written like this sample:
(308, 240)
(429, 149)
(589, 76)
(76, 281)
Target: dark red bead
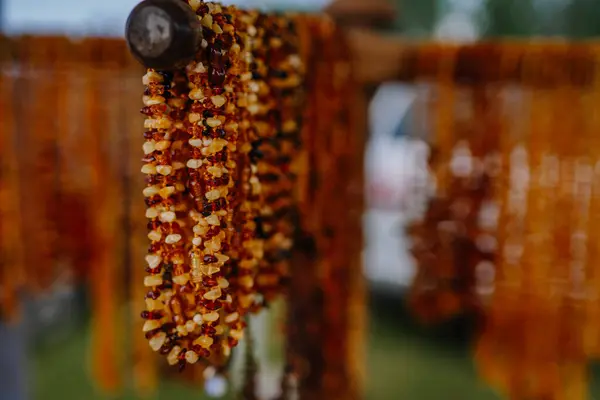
(148, 134)
(152, 271)
(153, 225)
(150, 334)
(151, 315)
(210, 259)
(209, 281)
(208, 330)
(211, 305)
(153, 294)
(218, 157)
(201, 351)
(218, 133)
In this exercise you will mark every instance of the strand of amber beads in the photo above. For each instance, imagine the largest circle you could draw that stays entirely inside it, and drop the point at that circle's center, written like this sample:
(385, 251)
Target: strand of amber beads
(280, 148)
(238, 154)
(251, 246)
(168, 272)
(213, 128)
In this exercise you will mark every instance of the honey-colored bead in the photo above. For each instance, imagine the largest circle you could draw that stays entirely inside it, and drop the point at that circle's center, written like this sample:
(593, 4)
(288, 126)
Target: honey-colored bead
(212, 195)
(213, 122)
(218, 100)
(213, 245)
(181, 329)
(153, 260)
(191, 357)
(150, 325)
(167, 216)
(150, 191)
(149, 147)
(210, 269)
(164, 169)
(148, 169)
(194, 163)
(236, 334)
(173, 356)
(155, 236)
(211, 316)
(223, 283)
(157, 341)
(213, 220)
(204, 341)
(182, 279)
(213, 294)
(190, 326)
(172, 238)
(166, 192)
(230, 318)
(207, 21)
(153, 280)
(217, 172)
(153, 305)
(162, 145)
(151, 213)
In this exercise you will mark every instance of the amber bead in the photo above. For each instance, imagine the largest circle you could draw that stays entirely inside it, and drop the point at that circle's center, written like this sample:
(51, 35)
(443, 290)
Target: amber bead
(222, 181)
(153, 294)
(149, 134)
(202, 352)
(211, 305)
(218, 157)
(153, 271)
(208, 207)
(217, 133)
(196, 191)
(153, 225)
(169, 326)
(209, 281)
(215, 55)
(195, 130)
(151, 315)
(153, 179)
(210, 259)
(208, 330)
(150, 334)
(149, 158)
(217, 76)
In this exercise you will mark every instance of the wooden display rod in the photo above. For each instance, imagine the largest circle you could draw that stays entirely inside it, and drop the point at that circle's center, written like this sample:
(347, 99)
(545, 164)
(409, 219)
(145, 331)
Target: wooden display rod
(379, 59)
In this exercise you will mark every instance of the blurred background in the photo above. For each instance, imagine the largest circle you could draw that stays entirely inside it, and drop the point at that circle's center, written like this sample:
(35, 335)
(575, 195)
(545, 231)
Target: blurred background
(44, 356)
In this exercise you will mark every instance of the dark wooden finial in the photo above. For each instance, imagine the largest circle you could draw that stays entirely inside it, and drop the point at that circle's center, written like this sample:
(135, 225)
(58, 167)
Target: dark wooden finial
(163, 34)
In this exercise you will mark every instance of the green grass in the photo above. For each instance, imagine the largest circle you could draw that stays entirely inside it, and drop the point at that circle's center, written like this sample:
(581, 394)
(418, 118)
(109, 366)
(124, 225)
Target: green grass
(405, 362)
